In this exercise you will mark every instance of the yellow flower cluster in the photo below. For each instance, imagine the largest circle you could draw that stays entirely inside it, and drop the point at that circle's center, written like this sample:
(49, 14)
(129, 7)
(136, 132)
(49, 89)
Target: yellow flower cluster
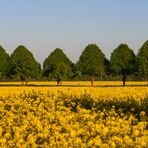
(73, 117)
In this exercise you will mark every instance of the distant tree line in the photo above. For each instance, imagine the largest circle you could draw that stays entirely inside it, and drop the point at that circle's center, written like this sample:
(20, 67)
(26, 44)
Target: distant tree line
(92, 65)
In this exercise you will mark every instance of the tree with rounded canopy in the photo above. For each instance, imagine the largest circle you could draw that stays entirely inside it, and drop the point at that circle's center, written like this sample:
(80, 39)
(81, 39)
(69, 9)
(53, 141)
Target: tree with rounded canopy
(23, 64)
(91, 62)
(123, 61)
(57, 66)
(142, 60)
(4, 62)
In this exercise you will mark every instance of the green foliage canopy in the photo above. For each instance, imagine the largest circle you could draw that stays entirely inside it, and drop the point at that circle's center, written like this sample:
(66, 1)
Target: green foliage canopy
(57, 65)
(142, 60)
(91, 61)
(4, 62)
(24, 64)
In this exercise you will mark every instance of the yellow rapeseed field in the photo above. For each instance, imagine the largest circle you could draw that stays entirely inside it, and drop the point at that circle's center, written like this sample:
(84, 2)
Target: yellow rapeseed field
(72, 116)
(80, 83)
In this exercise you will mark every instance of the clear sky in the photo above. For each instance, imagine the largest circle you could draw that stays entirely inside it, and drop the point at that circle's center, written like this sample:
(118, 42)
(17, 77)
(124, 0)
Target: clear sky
(43, 25)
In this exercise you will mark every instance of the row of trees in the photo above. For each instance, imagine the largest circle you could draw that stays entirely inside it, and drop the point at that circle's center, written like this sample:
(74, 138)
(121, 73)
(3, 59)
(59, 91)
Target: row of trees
(91, 65)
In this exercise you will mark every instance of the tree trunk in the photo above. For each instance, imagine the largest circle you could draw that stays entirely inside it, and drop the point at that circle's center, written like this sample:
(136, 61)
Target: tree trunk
(58, 83)
(58, 80)
(26, 82)
(92, 80)
(124, 82)
(124, 77)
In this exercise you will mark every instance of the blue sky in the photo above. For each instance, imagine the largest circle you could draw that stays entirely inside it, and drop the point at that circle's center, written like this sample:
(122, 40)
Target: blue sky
(43, 25)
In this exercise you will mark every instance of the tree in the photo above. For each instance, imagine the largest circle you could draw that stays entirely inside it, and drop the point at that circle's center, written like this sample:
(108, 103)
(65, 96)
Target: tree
(91, 62)
(57, 66)
(142, 61)
(4, 63)
(123, 61)
(23, 64)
